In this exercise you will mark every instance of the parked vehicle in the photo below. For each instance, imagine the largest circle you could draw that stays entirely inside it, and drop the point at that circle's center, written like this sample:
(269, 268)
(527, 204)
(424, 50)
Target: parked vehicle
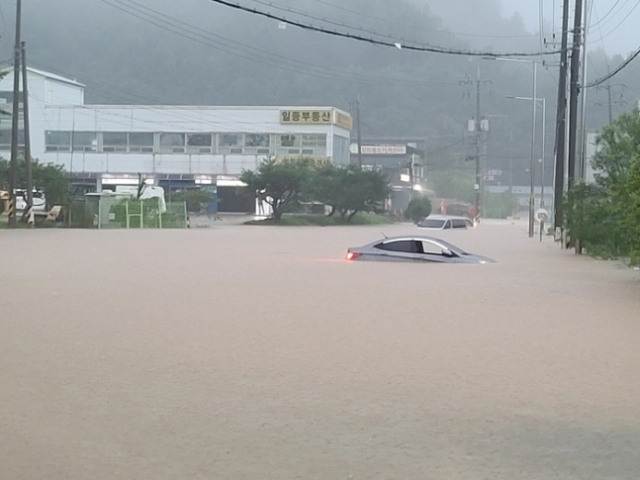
(414, 249)
(445, 222)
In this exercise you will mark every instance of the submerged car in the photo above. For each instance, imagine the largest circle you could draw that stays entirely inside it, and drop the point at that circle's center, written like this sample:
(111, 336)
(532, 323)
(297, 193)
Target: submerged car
(445, 222)
(414, 249)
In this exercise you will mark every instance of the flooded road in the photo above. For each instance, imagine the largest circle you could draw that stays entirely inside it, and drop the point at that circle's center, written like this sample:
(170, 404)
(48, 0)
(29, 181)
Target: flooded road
(259, 353)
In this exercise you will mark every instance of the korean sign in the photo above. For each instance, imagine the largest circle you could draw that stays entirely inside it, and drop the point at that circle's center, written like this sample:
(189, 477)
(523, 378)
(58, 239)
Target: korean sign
(319, 117)
(316, 117)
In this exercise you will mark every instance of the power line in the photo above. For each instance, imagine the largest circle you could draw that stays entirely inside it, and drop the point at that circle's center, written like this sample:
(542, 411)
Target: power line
(328, 21)
(620, 67)
(207, 42)
(414, 47)
(622, 21)
(600, 20)
(203, 37)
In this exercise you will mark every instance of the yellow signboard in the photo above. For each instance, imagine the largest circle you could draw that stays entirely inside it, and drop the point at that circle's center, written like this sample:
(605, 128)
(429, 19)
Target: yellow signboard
(316, 117)
(343, 120)
(302, 117)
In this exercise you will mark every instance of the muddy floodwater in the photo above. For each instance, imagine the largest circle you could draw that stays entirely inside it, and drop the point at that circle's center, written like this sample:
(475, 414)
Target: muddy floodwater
(242, 352)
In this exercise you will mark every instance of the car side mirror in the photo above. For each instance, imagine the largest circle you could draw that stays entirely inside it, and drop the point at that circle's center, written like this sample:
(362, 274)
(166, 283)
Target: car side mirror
(447, 253)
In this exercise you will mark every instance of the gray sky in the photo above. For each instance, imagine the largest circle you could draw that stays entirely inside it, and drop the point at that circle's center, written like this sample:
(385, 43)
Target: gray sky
(614, 23)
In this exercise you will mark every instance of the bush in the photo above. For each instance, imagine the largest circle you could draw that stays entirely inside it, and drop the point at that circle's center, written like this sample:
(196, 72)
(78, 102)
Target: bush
(418, 209)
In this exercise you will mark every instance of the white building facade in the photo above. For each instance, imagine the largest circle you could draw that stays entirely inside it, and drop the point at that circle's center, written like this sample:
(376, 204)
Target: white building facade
(171, 146)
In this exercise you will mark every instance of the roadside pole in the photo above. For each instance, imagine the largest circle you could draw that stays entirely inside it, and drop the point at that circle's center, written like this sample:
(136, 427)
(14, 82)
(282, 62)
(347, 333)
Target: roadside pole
(27, 141)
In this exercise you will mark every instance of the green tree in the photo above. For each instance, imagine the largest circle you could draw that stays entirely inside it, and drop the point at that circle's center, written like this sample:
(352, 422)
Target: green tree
(52, 179)
(605, 216)
(419, 208)
(194, 198)
(326, 187)
(349, 190)
(281, 184)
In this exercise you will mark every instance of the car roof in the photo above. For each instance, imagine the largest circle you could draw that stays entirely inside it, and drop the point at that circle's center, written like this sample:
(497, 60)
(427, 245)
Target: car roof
(419, 238)
(445, 217)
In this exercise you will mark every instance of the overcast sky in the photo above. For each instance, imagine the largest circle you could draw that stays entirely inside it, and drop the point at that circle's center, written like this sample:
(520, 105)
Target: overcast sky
(618, 27)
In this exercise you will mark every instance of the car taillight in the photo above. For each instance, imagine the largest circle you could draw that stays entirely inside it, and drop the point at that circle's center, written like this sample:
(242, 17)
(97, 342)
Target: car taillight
(352, 255)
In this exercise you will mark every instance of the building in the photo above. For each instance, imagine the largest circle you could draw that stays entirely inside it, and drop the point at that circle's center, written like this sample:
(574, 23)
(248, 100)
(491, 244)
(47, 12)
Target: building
(403, 160)
(175, 147)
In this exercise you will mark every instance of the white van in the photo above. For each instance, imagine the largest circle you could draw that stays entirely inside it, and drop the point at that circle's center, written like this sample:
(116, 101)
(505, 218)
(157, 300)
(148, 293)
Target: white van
(445, 222)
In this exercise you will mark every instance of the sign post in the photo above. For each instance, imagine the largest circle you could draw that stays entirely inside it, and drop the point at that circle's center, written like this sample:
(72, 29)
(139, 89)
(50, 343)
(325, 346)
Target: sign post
(542, 215)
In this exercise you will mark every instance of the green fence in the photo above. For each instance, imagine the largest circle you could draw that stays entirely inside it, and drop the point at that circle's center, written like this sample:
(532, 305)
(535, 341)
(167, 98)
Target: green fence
(117, 212)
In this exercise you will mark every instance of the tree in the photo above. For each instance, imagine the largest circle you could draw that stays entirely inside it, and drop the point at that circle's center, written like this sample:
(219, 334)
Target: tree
(605, 216)
(419, 208)
(349, 190)
(194, 198)
(280, 184)
(52, 179)
(326, 185)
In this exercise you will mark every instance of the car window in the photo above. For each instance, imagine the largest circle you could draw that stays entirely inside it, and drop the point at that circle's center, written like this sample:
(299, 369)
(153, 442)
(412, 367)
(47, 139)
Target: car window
(459, 223)
(447, 225)
(430, 248)
(406, 246)
(432, 223)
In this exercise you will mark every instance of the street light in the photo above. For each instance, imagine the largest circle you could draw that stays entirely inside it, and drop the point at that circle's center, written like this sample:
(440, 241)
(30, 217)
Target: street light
(544, 129)
(533, 128)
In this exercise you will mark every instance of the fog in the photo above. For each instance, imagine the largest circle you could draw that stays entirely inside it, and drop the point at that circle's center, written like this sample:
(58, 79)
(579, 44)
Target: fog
(259, 352)
(196, 52)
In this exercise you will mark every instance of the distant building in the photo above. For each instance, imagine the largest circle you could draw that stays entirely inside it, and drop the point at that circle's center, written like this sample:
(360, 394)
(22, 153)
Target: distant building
(103, 146)
(403, 160)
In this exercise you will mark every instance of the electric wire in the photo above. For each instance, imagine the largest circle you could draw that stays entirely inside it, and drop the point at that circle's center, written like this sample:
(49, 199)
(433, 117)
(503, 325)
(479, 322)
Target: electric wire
(622, 21)
(604, 18)
(413, 47)
(620, 67)
(170, 24)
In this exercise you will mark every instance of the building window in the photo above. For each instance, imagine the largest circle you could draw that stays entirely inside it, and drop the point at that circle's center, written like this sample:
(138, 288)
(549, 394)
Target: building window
(288, 144)
(5, 139)
(84, 141)
(57, 141)
(141, 142)
(314, 145)
(171, 142)
(340, 150)
(199, 143)
(257, 143)
(230, 143)
(115, 141)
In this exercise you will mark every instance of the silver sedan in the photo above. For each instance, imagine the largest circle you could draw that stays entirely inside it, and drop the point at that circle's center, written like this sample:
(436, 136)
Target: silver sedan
(414, 249)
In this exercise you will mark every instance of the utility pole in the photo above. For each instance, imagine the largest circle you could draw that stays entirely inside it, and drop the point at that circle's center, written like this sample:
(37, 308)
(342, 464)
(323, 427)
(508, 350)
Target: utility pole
(13, 175)
(582, 171)
(478, 134)
(534, 101)
(544, 146)
(359, 132)
(27, 140)
(477, 128)
(561, 116)
(574, 92)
